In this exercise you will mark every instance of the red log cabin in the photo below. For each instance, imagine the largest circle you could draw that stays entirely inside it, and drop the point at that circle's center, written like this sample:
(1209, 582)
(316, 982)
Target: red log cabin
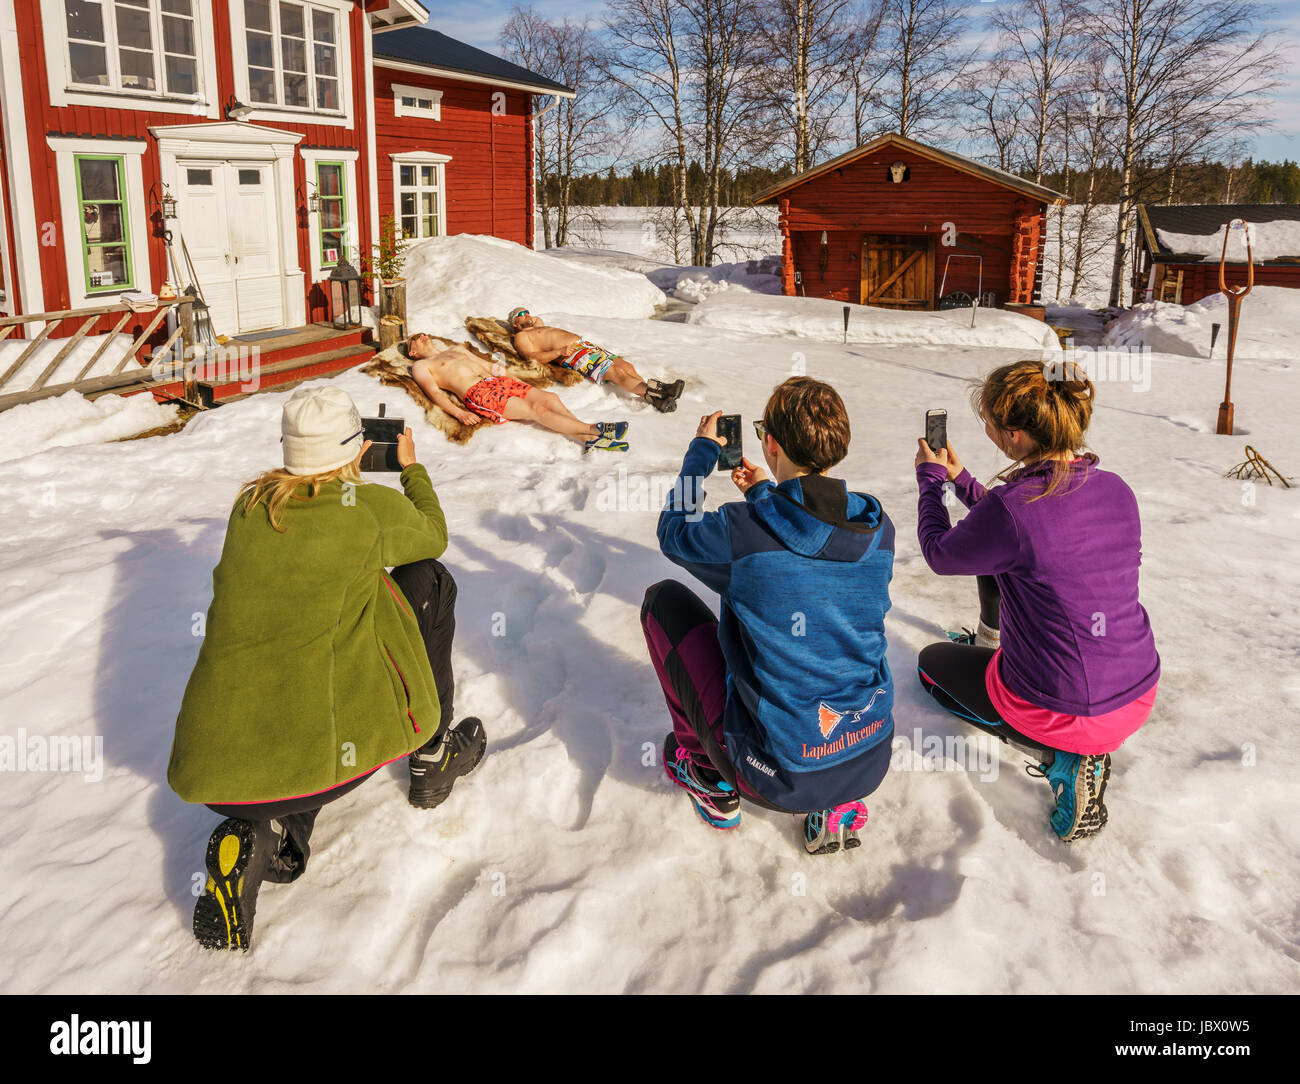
(1164, 271)
(284, 130)
(899, 224)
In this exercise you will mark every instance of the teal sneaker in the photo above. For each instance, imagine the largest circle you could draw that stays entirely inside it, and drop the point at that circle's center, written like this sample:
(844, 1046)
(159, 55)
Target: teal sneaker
(826, 831)
(605, 444)
(1079, 784)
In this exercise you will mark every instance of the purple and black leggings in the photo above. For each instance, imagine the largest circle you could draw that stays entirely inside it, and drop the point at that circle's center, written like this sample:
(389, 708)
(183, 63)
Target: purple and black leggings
(682, 635)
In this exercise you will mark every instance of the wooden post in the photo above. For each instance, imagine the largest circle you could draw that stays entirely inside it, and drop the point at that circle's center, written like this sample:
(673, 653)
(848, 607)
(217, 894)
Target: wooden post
(391, 331)
(190, 388)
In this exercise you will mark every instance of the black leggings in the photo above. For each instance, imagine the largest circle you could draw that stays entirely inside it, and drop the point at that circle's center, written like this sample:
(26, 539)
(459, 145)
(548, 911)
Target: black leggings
(431, 592)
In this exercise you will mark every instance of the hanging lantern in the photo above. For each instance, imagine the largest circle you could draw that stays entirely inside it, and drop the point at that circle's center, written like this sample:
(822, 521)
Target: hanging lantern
(168, 204)
(313, 201)
(345, 296)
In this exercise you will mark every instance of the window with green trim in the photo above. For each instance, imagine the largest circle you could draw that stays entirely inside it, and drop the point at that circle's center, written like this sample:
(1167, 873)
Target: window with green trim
(332, 189)
(105, 229)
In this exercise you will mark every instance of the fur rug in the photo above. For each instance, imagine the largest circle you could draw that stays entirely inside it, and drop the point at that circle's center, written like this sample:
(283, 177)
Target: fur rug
(393, 368)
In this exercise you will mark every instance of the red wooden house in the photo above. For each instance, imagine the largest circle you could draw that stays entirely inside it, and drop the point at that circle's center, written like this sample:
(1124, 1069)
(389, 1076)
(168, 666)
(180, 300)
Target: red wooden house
(283, 129)
(1165, 271)
(895, 223)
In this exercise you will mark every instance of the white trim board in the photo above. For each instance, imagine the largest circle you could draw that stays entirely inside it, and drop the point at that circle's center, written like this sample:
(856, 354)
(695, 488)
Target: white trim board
(410, 90)
(239, 54)
(59, 76)
(420, 158)
(131, 152)
(234, 141)
(25, 256)
(465, 77)
(352, 238)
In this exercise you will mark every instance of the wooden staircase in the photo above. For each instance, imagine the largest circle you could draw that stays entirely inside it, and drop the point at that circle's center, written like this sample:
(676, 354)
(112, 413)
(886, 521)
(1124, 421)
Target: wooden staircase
(278, 363)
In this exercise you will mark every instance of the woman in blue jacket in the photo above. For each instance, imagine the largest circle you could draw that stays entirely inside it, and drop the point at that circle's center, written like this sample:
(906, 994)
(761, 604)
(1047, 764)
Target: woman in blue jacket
(786, 699)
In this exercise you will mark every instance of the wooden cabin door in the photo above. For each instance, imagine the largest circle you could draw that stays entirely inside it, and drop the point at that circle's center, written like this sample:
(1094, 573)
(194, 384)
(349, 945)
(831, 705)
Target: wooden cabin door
(898, 271)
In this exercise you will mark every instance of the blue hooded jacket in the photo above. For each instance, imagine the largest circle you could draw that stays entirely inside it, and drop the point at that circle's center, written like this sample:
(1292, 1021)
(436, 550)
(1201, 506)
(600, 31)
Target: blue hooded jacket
(803, 569)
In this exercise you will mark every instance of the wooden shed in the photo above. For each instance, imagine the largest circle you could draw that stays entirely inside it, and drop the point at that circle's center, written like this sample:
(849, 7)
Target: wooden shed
(895, 223)
(1179, 246)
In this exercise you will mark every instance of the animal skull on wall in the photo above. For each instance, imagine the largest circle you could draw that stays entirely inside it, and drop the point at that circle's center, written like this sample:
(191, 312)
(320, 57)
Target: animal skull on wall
(898, 172)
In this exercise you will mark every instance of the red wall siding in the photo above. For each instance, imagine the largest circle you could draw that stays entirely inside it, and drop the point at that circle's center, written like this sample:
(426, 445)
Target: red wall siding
(859, 199)
(1201, 280)
(13, 298)
(44, 119)
(488, 175)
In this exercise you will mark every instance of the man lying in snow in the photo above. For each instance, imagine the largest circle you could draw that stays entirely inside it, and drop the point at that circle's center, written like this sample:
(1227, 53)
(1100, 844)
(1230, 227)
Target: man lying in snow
(535, 341)
(499, 398)
(786, 699)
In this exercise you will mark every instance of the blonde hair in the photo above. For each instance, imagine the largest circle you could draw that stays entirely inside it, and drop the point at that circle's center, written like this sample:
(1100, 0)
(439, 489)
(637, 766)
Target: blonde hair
(275, 488)
(1054, 412)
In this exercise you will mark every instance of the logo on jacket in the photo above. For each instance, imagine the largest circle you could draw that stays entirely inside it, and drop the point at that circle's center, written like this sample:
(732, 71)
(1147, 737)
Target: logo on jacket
(828, 718)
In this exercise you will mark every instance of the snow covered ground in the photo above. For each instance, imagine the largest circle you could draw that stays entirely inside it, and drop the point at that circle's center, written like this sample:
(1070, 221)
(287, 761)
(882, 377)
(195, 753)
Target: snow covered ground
(567, 862)
(1269, 327)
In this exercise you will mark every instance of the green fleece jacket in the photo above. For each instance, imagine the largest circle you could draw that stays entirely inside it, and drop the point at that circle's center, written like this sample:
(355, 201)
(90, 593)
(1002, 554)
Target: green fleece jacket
(312, 669)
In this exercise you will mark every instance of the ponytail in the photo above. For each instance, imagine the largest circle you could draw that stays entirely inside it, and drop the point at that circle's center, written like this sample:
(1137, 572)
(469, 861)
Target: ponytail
(1050, 401)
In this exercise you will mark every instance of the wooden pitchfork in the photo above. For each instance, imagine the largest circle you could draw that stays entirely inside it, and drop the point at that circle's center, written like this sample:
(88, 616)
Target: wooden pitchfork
(1234, 295)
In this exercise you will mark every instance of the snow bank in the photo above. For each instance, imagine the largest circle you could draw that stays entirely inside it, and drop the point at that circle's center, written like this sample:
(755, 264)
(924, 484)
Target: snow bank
(818, 318)
(450, 278)
(752, 276)
(1270, 325)
(69, 367)
(1268, 241)
(71, 418)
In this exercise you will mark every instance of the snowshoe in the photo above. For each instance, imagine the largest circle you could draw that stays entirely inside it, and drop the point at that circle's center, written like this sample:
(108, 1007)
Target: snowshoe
(1079, 784)
(715, 800)
(238, 855)
(434, 768)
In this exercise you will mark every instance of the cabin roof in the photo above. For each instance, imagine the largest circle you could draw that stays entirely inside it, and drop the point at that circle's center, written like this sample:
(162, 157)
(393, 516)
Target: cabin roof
(957, 161)
(1203, 219)
(432, 49)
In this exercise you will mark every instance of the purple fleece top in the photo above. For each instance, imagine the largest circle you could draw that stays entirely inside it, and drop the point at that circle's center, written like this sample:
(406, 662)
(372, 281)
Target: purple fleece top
(1075, 639)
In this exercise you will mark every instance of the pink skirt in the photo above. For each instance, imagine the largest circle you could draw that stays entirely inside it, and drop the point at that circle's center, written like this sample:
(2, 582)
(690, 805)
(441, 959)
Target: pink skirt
(1086, 734)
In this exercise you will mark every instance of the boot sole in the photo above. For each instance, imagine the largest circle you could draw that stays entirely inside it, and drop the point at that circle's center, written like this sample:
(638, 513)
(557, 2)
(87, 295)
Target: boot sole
(1094, 816)
(220, 920)
(432, 801)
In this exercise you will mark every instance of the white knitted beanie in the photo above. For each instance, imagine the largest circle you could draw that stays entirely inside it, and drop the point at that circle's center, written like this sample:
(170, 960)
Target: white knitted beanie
(321, 430)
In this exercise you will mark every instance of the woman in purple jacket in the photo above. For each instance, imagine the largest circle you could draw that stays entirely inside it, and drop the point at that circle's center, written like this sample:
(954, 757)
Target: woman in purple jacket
(1055, 551)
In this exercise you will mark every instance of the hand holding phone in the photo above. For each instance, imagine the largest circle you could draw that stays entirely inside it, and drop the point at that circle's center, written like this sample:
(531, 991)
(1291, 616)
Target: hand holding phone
(729, 435)
(936, 430)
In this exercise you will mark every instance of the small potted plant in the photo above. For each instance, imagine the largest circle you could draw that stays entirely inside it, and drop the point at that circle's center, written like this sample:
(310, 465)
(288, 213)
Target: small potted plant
(386, 264)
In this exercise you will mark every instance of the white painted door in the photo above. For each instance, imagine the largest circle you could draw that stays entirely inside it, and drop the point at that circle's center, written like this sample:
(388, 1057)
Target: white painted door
(229, 222)
(254, 245)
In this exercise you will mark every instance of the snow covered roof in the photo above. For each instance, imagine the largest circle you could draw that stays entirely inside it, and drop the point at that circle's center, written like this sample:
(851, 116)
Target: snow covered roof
(957, 161)
(431, 49)
(1193, 232)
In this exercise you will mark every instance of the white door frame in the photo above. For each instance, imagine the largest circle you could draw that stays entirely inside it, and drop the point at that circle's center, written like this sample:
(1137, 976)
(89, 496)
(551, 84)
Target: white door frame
(233, 141)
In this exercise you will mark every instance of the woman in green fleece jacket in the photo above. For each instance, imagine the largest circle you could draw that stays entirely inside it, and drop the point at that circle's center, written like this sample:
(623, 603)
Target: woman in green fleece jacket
(317, 666)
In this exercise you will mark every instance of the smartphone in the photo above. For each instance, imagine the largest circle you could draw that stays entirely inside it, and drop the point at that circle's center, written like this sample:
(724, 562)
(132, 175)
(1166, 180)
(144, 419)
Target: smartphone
(383, 433)
(936, 430)
(729, 430)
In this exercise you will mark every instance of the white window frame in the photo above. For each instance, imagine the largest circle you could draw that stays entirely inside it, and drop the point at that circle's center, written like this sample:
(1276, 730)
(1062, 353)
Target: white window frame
(352, 244)
(63, 92)
(420, 158)
(405, 90)
(131, 151)
(239, 50)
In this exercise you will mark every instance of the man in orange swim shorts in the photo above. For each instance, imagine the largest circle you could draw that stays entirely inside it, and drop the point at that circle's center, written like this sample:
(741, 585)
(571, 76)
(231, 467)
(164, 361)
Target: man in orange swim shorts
(488, 394)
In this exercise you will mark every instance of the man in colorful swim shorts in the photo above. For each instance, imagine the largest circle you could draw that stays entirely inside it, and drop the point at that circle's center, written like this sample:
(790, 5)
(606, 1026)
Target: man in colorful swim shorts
(498, 398)
(535, 341)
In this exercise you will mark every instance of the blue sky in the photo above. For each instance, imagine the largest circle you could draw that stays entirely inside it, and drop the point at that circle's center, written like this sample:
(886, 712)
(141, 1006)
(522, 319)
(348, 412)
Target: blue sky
(479, 22)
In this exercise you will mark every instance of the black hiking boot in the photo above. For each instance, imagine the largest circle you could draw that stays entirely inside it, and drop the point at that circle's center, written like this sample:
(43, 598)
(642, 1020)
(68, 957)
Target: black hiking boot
(663, 397)
(435, 767)
(239, 853)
